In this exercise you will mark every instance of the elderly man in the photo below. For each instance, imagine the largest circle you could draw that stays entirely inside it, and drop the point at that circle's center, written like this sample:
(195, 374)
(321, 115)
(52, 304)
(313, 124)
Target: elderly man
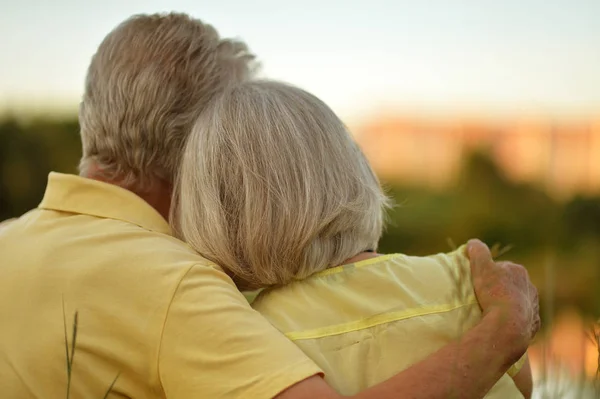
(152, 315)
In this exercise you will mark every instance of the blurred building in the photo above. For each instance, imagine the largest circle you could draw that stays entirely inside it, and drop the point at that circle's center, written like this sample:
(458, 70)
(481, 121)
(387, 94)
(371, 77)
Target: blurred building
(570, 345)
(562, 157)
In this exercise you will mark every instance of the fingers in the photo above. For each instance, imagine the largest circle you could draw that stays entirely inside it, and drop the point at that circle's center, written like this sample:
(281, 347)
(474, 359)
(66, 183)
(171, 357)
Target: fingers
(521, 281)
(479, 254)
(518, 273)
(537, 322)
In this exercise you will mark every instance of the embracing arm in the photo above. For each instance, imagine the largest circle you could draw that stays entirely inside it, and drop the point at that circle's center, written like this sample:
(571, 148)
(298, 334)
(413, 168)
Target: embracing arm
(214, 345)
(470, 367)
(465, 369)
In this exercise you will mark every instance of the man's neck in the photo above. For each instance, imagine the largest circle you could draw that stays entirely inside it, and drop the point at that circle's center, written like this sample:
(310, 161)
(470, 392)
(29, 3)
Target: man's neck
(158, 196)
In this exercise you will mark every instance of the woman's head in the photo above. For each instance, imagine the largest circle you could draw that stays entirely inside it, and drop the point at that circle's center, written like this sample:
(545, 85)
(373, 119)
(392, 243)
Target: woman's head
(273, 188)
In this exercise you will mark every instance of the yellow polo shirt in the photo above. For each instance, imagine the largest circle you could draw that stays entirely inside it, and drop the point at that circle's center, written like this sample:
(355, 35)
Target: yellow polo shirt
(150, 310)
(364, 322)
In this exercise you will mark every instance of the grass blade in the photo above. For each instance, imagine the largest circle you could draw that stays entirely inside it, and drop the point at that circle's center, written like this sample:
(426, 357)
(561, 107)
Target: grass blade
(74, 339)
(502, 250)
(67, 350)
(111, 386)
(451, 244)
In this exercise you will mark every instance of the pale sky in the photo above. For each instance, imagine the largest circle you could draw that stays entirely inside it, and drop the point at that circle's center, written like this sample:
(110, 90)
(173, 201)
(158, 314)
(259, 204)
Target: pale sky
(361, 57)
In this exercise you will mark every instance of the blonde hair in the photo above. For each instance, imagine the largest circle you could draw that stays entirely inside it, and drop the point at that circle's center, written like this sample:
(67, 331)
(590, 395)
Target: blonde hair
(146, 84)
(273, 188)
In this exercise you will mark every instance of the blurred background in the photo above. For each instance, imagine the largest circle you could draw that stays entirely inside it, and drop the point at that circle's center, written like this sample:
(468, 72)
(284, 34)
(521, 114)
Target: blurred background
(481, 118)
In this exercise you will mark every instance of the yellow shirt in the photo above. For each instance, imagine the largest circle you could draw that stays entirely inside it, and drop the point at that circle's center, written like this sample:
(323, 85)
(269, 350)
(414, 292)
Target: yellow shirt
(364, 322)
(150, 310)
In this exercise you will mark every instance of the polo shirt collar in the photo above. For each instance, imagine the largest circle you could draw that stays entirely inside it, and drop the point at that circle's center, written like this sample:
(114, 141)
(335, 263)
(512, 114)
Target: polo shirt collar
(76, 194)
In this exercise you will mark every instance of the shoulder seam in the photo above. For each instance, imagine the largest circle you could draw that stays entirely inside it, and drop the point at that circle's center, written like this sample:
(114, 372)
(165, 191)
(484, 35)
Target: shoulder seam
(357, 265)
(379, 319)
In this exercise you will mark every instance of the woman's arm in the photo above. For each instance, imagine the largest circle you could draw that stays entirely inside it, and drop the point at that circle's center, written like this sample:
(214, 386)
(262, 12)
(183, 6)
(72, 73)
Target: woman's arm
(468, 368)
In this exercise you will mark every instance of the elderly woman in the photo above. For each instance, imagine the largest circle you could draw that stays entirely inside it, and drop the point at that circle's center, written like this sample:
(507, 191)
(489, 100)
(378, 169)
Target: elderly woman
(273, 188)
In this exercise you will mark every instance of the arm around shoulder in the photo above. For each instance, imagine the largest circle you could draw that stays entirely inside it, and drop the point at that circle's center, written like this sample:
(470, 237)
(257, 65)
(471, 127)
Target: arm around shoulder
(470, 367)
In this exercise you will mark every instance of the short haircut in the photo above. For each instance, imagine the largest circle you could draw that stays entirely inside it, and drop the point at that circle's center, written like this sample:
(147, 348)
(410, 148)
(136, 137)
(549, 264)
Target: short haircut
(146, 85)
(273, 188)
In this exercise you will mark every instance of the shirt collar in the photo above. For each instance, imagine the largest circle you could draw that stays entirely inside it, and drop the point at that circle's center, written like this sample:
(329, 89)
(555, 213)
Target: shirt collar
(76, 194)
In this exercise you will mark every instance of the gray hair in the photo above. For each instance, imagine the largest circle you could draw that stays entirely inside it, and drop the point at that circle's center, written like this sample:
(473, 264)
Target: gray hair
(146, 85)
(273, 188)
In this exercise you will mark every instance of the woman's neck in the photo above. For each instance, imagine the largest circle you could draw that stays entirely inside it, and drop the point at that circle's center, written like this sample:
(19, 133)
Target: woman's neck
(360, 257)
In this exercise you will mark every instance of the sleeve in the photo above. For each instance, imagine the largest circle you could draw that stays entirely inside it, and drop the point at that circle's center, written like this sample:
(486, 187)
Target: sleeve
(515, 368)
(214, 345)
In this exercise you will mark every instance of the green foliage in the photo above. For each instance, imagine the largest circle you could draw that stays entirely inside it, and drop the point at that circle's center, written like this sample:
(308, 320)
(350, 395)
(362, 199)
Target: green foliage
(486, 205)
(28, 151)
(483, 204)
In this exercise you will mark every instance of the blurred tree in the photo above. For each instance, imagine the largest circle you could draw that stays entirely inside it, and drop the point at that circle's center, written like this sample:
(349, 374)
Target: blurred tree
(483, 204)
(581, 218)
(28, 152)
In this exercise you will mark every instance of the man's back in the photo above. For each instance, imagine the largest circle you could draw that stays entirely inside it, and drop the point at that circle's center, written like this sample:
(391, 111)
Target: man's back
(49, 258)
(366, 321)
(150, 310)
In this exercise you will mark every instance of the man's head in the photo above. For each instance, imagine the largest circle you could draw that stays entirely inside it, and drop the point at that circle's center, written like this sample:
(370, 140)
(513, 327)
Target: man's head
(147, 83)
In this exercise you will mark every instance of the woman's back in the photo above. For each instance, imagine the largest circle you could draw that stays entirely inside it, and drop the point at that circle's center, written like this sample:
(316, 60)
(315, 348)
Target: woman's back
(273, 188)
(364, 322)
